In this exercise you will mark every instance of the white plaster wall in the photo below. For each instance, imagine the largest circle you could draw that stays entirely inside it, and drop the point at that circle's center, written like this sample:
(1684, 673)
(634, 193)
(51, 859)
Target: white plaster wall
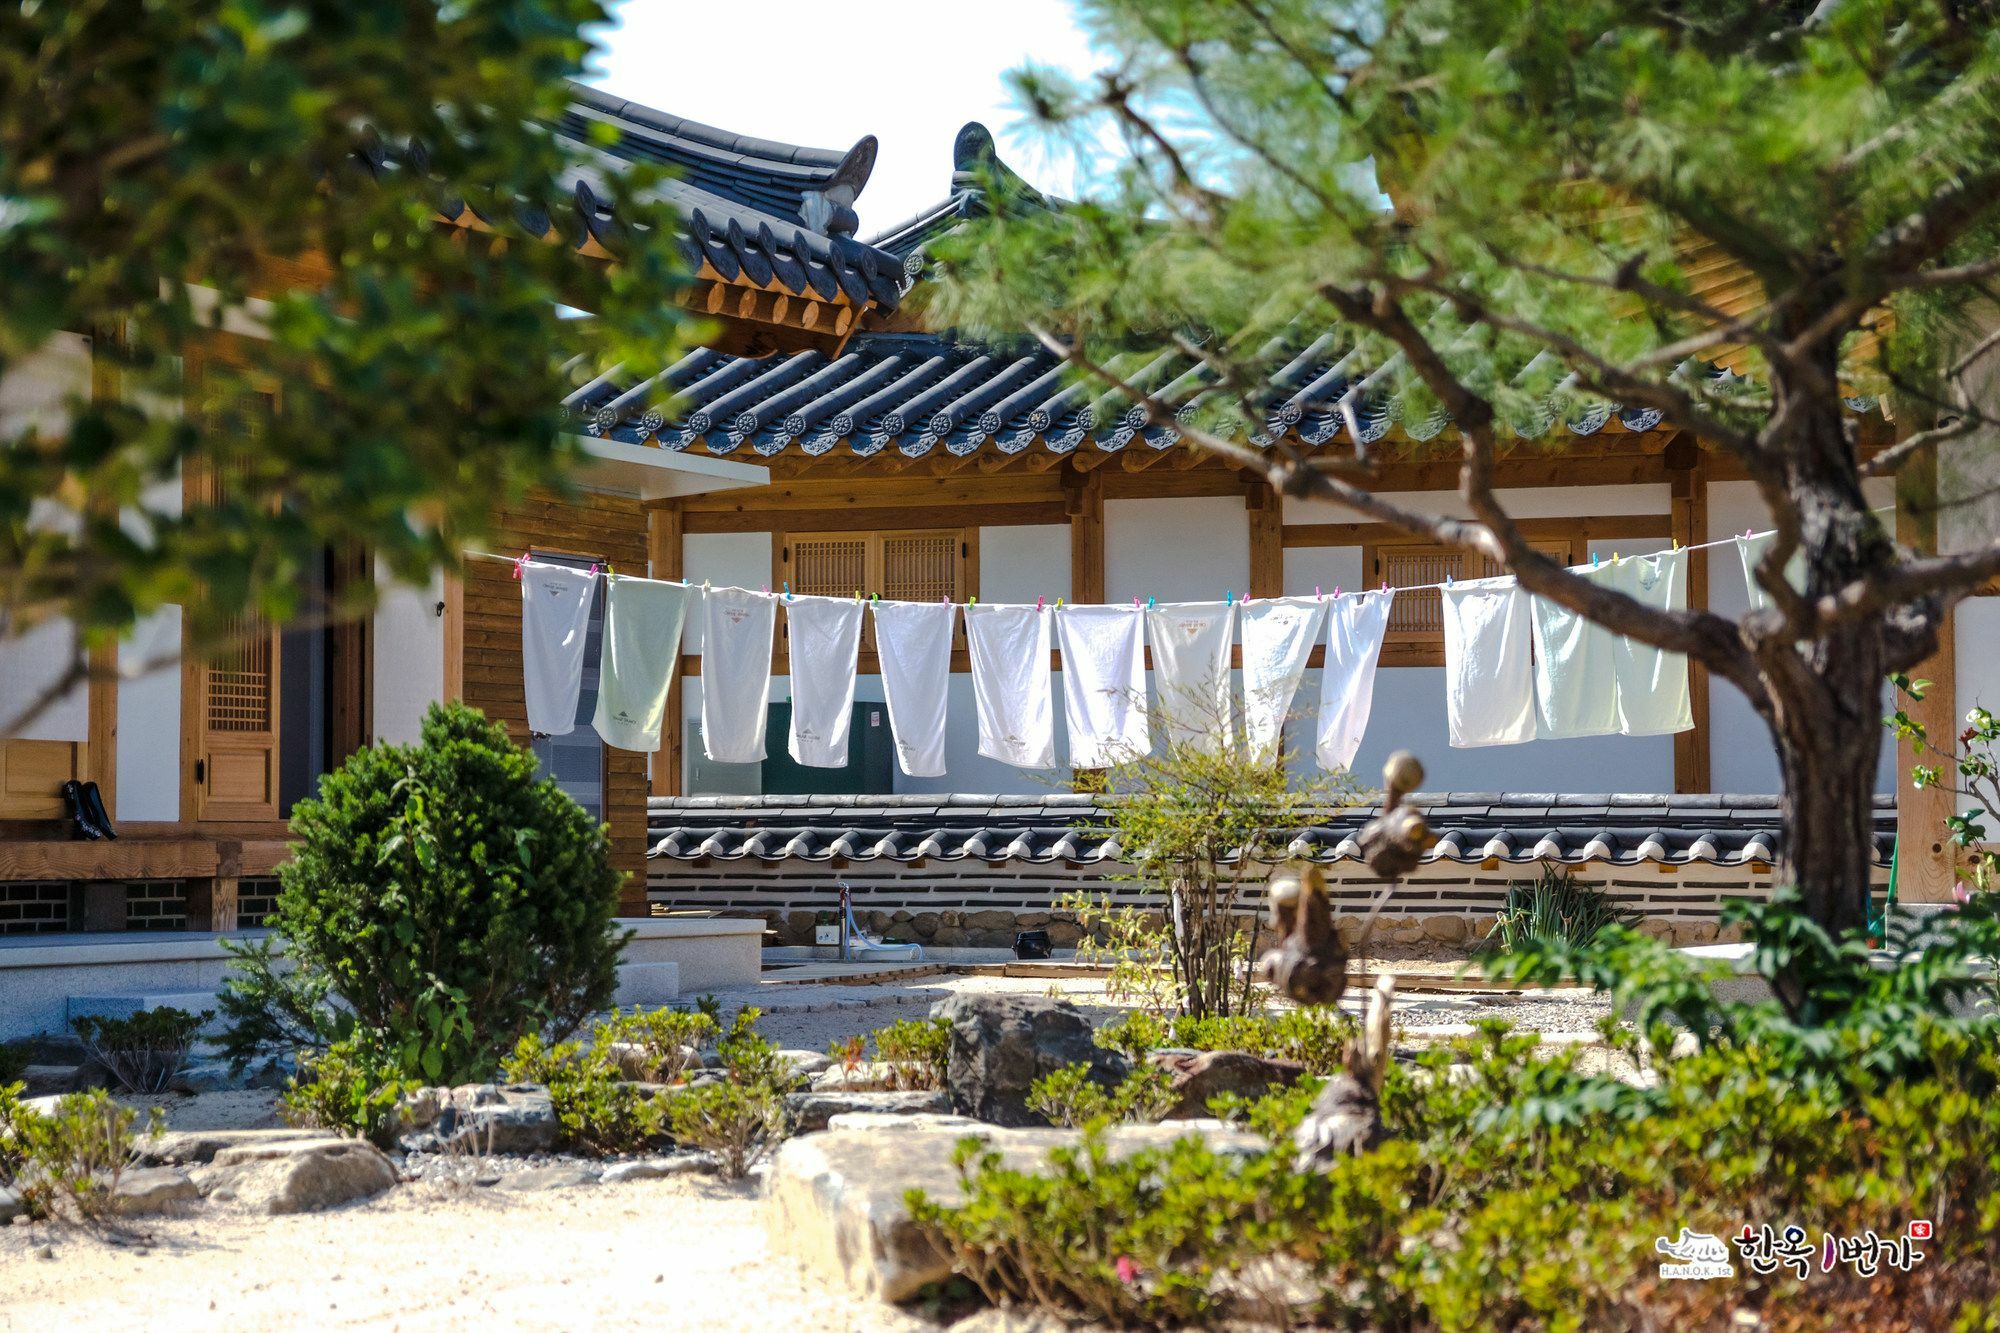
(1176, 550)
(725, 560)
(1521, 502)
(408, 643)
(1976, 657)
(1019, 564)
(149, 719)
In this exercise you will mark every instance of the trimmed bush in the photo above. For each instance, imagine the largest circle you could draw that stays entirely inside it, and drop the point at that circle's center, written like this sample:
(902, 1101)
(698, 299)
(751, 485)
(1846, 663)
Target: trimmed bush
(444, 901)
(67, 1163)
(145, 1051)
(350, 1088)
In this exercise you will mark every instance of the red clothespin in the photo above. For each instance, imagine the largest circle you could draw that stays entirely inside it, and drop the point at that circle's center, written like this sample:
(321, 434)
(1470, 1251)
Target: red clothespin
(520, 563)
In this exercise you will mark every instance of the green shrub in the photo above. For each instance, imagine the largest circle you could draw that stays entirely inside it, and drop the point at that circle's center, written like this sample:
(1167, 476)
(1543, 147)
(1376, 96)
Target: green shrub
(1515, 1190)
(268, 1005)
(68, 1162)
(668, 1038)
(918, 1047)
(1556, 907)
(445, 899)
(142, 1052)
(1070, 1097)
(737, 1122)
(749, 1060)
(349, 1088)
(597, 1111)
(1315, 1038)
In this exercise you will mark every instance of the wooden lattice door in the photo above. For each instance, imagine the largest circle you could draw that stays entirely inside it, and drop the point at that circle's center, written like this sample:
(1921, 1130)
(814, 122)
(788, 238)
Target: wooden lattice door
(232, 708)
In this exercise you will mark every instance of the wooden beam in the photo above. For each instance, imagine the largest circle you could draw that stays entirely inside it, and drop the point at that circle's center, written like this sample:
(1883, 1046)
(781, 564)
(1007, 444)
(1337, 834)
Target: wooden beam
(906, 516)
(454, 638)
(1926, 862)
(666, 558)
(878, 492)
(1083, 494)
(1692, 753)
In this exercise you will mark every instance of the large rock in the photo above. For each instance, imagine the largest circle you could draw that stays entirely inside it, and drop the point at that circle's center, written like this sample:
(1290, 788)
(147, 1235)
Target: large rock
(835, 1202)
(1210, 1073)
(480, 1118)
(147, 1191)
(196, 1147)
(809, 1112)
(296, 1175)
(1000, 1044)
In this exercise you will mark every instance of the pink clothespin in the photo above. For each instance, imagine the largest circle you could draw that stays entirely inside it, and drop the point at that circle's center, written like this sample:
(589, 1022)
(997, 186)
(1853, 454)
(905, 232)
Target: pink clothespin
(520, 564)
(1038, 603)
(1336, 592)
(1385, 585)
(593, 569)
(1135, 604)
(1320, 596)
(767, 589)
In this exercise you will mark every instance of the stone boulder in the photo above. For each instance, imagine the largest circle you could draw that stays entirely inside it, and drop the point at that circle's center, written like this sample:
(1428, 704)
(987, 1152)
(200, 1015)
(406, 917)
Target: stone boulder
(296, 1175)
(148, 1191)
(1210, 1073)
(835, 1202)
(197, 1147)
(868, 1076)
(809, 1112)
(1000, 1044)
(478, 1118)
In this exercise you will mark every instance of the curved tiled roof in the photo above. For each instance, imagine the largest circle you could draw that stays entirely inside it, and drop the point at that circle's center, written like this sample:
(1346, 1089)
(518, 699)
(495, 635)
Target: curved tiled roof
(773, 214)
(1471, 827)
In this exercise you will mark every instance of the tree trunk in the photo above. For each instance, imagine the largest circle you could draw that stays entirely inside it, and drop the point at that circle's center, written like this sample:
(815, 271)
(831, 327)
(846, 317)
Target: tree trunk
(1829, 742)
(1825, 709)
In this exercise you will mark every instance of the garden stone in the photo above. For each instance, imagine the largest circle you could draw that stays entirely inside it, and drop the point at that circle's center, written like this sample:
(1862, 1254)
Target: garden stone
(296, 1175)
(901, 1120)
(835, 1201)
(547, 1178)
(1000, 1044)
(42, 1080)
(150, 1190)
(810, 1111)
(488, 1118)
(199, 1146)
(1212, 1073)
(657, 1168)
(807, 1063)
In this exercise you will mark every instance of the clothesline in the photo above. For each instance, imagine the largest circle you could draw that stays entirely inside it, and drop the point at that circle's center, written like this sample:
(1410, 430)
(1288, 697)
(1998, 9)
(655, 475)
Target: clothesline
(1337, 592)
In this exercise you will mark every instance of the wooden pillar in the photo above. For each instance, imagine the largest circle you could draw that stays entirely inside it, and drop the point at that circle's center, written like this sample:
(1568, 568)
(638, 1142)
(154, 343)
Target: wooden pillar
(666, 558)
(211, 903)
(1264, 509)
(1083, 501)
(1690, 528)
(454, 637)
(1926, 868)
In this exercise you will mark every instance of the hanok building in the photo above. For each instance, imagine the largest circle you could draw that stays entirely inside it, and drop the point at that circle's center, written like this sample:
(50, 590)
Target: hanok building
(833, 440)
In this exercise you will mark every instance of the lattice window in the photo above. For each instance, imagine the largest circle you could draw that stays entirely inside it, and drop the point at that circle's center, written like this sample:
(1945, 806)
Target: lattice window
(910, 565)
(1416, 619)
(240, 683)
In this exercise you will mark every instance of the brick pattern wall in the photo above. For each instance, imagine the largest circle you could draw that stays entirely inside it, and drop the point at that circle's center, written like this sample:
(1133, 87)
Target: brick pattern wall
(156, 904)
(34, 909)
(256, 899)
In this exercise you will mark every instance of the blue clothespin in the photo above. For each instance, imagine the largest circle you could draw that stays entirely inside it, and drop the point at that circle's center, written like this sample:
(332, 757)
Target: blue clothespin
(1593, 560)
(1229, 598)
(1149, 603)
(788, 590)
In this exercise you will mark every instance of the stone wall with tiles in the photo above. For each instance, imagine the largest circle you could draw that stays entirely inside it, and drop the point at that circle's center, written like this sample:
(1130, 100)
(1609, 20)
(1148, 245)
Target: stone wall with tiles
(969, 904)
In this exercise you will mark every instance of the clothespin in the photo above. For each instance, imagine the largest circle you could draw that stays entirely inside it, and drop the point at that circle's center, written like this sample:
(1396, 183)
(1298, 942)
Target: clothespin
(1746, 532)
(857, 594)
(974, 601)
(788, 590)
(1614, 557)
(1038, 603)
(1336, 592)
(1385, 585)
(1317, 594)
(704, 585)
(1447, 580)
(593, 569)
(767, 589)
(1135, 604)
(520, 564)
(1593, 560)
(1229, 598)
(1149, 603)
(1059, 602)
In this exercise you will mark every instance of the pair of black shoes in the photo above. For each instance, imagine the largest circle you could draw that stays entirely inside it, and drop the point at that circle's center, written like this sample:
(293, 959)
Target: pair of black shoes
(86, 809)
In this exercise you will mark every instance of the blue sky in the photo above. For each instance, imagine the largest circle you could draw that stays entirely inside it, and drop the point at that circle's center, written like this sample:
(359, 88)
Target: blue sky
(909, 72)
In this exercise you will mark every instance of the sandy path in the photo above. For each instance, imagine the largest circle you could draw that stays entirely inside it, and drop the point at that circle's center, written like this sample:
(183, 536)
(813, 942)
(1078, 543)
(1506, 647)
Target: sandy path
(671, 1254)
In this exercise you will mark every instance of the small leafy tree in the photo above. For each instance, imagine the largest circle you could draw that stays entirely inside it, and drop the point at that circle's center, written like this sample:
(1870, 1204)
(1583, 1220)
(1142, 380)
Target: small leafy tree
(445, 901)
(176, 175)
(1966, 767)
(1198, 821)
